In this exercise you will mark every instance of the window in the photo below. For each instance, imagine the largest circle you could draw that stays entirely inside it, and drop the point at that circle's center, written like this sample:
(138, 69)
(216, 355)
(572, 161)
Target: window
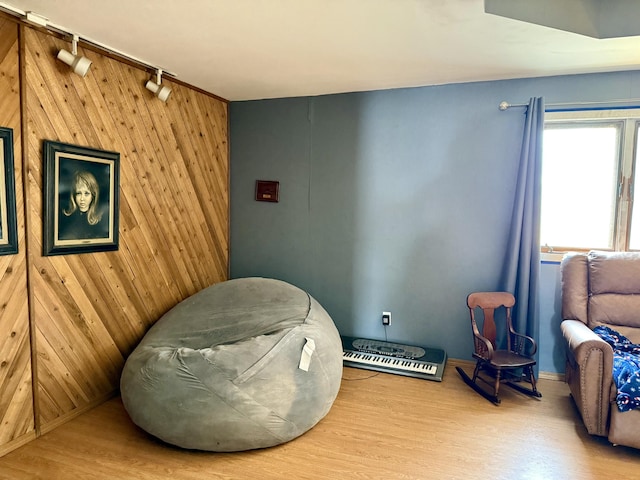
(588, 166)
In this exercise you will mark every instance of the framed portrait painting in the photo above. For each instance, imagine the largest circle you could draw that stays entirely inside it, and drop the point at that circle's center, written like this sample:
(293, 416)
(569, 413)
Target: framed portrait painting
(8, 224)
(81, 199)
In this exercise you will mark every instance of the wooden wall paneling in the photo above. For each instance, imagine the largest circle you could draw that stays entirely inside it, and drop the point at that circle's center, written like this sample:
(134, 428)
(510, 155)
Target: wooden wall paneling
(152, 170)
(156, 151)
(90, 310)
(214, 172)
(62, 93)
(106, 299)
(67, 342)
(153, 217)
(202, 203)
(15, 366)
(210, 176)
(16, 395)
(14, 311)
(181, 199)
(101, 351)
(69, 376)
(193, 160)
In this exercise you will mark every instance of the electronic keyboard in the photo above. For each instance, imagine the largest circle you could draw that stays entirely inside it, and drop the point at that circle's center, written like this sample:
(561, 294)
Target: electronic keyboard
(388, 357)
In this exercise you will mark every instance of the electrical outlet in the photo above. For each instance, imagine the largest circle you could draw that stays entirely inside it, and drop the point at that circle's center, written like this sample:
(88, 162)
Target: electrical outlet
(386, 318)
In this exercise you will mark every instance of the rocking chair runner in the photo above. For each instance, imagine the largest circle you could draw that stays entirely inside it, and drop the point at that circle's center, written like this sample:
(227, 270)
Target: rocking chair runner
(509, 366)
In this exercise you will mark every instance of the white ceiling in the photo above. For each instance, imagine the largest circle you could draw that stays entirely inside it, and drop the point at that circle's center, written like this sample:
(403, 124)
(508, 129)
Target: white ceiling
(253, 49)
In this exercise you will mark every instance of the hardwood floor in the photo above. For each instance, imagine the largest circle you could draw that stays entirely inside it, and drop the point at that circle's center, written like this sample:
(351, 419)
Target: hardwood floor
(380, 427)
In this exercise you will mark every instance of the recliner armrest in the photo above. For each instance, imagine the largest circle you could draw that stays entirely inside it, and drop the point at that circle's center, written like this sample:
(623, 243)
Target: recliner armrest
(589, 373)
(580, 339)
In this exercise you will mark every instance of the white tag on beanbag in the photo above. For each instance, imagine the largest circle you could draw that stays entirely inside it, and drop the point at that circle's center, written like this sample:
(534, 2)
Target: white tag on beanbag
(307, 353)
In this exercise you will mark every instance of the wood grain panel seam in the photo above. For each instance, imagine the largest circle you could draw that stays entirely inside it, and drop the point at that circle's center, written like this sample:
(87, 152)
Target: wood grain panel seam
(27, 205)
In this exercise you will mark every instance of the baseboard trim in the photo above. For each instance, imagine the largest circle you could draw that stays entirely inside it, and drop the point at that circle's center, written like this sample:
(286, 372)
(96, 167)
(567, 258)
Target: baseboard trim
(559, 377)
(76, 412)
(17, 443)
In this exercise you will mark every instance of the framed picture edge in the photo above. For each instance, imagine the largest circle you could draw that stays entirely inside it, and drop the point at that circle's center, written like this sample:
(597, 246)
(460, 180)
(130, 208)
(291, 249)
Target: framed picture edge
(11, 246)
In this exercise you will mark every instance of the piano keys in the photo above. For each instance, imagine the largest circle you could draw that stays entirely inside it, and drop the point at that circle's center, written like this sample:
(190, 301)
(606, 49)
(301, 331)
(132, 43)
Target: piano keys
(388, 357)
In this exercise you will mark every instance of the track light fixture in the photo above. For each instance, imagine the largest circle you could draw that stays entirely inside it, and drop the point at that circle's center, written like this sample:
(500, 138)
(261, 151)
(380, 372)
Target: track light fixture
(160, 91)
(78, 63)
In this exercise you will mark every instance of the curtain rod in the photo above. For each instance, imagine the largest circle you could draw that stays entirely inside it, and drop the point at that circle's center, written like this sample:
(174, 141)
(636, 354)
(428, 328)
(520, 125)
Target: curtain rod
(505, 105)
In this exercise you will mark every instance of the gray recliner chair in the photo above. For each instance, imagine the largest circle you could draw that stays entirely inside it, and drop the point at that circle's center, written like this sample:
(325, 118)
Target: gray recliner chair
(600, 288)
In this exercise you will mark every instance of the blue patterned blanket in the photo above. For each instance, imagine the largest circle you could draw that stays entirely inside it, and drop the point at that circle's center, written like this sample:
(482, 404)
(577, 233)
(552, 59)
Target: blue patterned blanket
(626, 367)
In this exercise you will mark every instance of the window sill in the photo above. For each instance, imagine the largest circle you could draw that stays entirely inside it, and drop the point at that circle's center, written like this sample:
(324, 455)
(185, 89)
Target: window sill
(551, 257)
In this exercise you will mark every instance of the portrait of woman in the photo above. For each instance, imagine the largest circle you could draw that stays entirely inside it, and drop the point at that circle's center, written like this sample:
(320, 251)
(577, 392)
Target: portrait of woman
(81, 206)
(81, 218)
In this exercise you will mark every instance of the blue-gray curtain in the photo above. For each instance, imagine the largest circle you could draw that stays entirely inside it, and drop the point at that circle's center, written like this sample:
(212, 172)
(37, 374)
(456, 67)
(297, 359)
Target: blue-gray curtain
(521, 271)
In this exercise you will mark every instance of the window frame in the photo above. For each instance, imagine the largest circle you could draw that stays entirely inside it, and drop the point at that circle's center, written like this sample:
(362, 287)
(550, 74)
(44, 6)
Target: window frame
(629, 119)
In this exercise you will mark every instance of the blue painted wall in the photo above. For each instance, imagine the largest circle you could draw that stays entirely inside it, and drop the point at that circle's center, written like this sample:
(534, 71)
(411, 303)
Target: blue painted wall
(394, 200)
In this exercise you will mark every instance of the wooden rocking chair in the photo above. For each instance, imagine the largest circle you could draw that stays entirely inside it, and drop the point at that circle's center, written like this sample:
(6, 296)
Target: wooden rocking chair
(508, 366)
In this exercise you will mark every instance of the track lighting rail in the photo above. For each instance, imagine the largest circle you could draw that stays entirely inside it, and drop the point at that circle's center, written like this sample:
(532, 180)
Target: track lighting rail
(33, 18)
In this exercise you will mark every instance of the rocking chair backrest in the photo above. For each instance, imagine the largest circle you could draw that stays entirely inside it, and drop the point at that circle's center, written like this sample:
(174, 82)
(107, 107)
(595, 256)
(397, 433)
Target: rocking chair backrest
(489, 302)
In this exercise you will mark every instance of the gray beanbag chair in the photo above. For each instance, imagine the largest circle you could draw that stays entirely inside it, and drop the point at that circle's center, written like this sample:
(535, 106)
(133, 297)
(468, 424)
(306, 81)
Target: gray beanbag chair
(243, 364)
